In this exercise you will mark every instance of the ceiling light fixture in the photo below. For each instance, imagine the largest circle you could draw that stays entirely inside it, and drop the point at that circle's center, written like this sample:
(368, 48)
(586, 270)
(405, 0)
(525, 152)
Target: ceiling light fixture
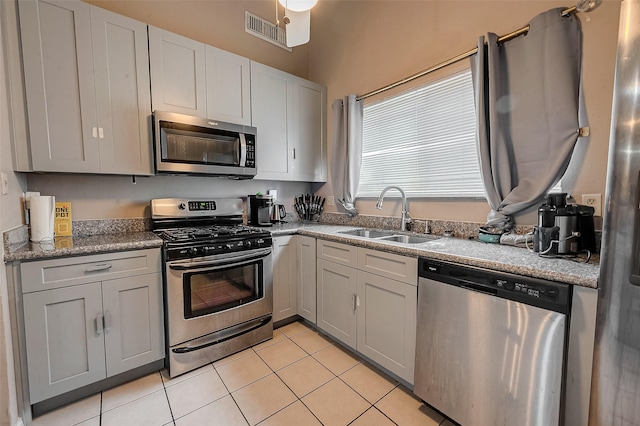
(297, 20)
(298, 5)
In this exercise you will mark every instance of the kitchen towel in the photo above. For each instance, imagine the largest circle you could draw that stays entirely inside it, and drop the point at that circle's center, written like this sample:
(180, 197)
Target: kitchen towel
(42, 213)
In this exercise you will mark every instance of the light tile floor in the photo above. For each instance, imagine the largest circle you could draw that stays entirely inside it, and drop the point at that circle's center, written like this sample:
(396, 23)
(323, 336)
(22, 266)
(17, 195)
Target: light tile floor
(298, 378)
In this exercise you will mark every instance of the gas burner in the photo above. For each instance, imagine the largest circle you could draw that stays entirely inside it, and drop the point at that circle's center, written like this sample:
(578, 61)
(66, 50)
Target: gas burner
(206, 233)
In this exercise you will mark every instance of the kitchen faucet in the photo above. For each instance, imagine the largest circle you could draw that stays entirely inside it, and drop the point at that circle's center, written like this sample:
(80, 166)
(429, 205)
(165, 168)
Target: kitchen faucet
(406, 218)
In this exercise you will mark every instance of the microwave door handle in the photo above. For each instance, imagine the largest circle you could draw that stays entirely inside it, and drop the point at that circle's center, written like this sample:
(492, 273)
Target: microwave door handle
(243, 150)
(221, 262)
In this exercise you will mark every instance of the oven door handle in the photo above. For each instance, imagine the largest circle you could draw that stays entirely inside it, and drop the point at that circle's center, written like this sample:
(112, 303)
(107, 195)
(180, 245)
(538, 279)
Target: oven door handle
(226, 261)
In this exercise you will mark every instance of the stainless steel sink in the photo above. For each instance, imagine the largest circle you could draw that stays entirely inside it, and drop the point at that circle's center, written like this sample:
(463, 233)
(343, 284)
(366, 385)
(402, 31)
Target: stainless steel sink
(368, 233)
(409, 239)
(390, 236)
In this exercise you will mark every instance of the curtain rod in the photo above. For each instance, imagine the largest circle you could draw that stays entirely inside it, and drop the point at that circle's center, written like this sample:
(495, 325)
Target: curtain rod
(455, 59)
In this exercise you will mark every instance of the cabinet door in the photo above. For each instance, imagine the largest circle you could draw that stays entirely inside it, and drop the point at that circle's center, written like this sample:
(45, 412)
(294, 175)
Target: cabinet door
(272, 114)
(64, 339)
(336, 301)
(177, 67)
(228, 80)
(285, 286)
(59, 85)
(307, 291)
(310, 140)
(387, 323)
(121, 57)
(133, 318)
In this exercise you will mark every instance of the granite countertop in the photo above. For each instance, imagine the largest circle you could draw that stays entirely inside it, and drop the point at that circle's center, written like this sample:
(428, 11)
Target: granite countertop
(468, 252)
(82, 245)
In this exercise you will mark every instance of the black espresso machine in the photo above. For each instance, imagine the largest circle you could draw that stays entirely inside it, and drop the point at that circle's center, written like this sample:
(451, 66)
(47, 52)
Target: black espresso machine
(563, 228)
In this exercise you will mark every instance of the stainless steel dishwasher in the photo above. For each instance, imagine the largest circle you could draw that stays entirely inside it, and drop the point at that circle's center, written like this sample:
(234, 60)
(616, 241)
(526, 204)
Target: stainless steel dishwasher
(491, 346)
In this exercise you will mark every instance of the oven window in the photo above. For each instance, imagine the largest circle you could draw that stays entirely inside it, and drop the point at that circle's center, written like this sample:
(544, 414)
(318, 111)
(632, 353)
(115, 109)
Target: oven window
(221, 289)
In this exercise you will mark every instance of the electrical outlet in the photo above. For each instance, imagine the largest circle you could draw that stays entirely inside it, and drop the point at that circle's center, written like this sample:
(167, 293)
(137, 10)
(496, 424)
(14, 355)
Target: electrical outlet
(331, 201)
(593, 200)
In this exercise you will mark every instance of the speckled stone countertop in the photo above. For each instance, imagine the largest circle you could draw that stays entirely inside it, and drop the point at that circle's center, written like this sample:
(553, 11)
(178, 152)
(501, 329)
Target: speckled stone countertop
(492, 256)
(469, 252)
(82, 245)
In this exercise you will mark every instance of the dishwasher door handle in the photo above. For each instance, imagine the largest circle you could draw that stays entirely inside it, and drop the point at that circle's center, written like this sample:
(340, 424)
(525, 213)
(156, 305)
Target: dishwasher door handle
(478, 287)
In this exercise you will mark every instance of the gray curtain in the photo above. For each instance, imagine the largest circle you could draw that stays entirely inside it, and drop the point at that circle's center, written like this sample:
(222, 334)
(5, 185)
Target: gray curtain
(527, 99)
(347, 151)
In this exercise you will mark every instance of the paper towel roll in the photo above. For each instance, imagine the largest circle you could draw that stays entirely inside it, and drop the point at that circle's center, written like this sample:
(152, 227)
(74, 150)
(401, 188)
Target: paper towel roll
(42, 213)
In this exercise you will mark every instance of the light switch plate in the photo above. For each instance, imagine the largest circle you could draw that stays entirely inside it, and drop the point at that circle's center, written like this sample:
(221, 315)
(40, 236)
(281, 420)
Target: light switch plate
(331, 201)
(595, 201)
(5, 183)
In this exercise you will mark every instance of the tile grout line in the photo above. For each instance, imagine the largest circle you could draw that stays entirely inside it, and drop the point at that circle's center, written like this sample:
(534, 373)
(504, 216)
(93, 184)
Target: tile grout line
(230, 393)
(297, 397)
(164, 388)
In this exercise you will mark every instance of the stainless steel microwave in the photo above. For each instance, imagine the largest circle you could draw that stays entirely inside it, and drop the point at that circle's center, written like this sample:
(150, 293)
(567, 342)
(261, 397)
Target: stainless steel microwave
(185, 144)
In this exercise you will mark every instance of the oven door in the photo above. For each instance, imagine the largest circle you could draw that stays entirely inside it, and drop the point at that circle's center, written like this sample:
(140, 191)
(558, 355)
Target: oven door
(208, 294)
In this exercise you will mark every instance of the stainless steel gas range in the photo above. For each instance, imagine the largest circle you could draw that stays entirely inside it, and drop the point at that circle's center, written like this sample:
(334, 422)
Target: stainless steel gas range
(218, 280)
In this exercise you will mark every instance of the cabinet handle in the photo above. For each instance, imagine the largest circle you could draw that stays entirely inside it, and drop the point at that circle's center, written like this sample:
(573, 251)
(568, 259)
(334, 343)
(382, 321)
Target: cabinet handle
(98, 267)
(94, 132)
(99, 324)
(100, 132)
(107, 321)
(354, 299)
(294, 153)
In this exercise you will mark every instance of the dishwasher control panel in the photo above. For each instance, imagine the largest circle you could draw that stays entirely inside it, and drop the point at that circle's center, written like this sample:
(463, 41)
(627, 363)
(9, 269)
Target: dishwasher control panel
(534, 291)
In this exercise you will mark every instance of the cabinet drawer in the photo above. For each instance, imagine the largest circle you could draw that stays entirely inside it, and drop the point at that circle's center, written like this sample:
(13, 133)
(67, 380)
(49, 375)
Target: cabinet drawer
(343, 254)
(57, 273)
(394, 266)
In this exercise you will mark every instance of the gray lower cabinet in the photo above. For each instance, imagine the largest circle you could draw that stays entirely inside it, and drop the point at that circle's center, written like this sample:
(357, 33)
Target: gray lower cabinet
(337, 301)
(86, 78)
(285, 284)
(374, 313)
(307, 293)
(386, 318)
(88, 318)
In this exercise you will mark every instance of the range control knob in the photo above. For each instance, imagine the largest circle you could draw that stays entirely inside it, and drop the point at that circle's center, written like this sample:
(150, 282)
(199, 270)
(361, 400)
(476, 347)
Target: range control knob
(248, 243)
(228, 246)
(193, 251)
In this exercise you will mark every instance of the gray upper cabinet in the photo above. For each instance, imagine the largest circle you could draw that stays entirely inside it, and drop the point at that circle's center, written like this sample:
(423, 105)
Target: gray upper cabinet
(290, 114)
(228, 79)
(85, 73)
(309, 115)
(177, 68)
(190, 77)
(272, 115)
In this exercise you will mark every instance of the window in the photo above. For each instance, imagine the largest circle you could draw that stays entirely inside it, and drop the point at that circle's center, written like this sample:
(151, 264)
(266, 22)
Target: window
(423, 141)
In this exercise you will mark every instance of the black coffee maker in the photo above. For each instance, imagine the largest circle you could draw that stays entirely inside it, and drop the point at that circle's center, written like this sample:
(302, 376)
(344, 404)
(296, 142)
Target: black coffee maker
(260, 209)
(563, 228)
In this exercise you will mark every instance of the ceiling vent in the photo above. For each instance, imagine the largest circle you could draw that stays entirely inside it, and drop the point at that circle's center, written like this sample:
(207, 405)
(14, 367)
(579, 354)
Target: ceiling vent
(265, 30)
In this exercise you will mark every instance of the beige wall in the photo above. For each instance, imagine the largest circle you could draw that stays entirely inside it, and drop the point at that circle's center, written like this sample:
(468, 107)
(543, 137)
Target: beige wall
(359, 46)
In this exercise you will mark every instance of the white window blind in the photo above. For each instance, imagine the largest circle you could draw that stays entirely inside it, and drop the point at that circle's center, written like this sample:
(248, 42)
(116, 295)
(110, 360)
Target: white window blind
(423, 141)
